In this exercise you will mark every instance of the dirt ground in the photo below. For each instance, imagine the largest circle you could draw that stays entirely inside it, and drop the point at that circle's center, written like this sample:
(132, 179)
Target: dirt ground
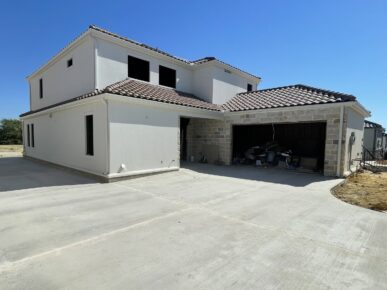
(11, 150)
(365, 189)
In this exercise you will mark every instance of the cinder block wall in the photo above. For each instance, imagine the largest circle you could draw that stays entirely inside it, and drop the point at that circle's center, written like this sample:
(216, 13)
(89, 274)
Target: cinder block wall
(213, 138)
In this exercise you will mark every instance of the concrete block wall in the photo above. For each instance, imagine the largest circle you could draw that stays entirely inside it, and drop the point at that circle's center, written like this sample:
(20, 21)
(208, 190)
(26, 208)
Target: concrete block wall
(211, 139)
(205, 135)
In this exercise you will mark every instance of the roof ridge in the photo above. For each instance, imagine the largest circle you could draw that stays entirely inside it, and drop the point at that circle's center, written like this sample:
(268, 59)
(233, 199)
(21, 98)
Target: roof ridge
(268, 89)
(305, 87)
(320, 90)
(94, 27)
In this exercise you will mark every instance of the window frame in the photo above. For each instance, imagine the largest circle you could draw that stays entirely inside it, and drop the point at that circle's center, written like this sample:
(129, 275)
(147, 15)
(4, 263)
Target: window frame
(147, 79)
(249, 87)
(166, 69)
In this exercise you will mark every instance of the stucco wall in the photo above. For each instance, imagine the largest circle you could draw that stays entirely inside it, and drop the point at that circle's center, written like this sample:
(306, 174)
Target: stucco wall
(112, 66)
(215, 85)
(226, 85)
(354, 124)
(143, 138)
(60, 137)
(202, 84)
(60, 82)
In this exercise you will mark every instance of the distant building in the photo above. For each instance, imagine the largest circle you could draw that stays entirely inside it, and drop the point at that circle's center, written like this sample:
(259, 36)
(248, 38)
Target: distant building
(375, 139)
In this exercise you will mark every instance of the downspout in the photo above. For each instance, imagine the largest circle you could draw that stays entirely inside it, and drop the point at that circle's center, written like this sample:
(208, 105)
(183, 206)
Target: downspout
(340, 144)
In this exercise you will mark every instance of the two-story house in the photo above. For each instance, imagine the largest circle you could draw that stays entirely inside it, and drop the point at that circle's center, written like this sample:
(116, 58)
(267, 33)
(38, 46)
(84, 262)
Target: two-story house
(113, 107)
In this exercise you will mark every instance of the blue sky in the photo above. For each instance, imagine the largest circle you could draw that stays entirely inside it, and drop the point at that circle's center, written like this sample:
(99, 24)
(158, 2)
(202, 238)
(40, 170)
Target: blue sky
(337, 45)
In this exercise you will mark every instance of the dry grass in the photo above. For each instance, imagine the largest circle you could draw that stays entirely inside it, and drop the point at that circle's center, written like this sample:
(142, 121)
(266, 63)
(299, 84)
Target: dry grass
(11, 148)
(365, 189)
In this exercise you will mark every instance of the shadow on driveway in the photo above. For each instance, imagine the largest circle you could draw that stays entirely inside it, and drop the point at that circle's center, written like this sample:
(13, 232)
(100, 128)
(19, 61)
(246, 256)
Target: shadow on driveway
(271, 175)
(19, 173)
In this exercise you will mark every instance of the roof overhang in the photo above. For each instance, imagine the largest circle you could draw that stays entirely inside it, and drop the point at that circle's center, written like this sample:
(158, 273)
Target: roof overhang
(77, 41)
(223, 65)
(184, 110)
(353, 104)
(360, 109)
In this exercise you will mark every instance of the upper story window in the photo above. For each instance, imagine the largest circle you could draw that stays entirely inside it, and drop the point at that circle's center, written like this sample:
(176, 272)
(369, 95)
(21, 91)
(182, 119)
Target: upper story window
(41, 88)
(249, 87)
(167, 76)
(138, 68)
(70, 62)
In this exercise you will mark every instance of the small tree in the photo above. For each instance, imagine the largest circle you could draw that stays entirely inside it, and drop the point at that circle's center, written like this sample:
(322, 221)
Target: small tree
(10, 132)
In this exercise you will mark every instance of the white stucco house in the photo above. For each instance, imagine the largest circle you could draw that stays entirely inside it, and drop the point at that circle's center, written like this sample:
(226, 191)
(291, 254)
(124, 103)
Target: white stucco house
(113, 107)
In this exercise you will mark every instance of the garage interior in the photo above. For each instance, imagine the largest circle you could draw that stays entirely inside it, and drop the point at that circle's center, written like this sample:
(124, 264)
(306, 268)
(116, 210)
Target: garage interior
(297, 146)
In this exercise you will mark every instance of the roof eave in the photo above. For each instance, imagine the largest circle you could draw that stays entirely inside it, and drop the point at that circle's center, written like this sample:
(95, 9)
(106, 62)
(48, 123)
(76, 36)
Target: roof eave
(78, 40)
(229, 67)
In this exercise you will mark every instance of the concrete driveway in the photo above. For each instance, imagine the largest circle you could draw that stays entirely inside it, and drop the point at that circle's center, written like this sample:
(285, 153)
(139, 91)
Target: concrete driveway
(204, 227)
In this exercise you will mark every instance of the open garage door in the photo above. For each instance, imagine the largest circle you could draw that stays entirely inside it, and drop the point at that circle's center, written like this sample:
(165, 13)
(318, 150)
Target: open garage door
(299, 146)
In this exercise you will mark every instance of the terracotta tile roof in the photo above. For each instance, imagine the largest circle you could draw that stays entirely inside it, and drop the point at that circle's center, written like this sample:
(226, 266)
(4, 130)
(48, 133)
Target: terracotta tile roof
(142, 90)
(289, 96)
(145, 90)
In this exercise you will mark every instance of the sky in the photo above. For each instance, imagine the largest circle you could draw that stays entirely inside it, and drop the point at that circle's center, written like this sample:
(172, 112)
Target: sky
(338, 45)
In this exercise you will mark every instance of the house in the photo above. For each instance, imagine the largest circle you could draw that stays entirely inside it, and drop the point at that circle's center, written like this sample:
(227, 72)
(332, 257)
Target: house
(385, 146)
(113, 107)
(374, 138)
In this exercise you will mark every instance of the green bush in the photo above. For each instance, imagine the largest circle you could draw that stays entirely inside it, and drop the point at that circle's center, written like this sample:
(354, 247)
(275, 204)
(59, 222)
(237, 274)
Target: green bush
(10, 132)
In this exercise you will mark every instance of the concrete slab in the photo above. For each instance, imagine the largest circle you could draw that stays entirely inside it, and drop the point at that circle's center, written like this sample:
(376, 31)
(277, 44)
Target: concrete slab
(206, 227)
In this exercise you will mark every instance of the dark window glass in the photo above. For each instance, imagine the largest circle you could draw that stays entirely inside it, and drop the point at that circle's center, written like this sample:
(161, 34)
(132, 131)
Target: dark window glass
(41, 88)
(249, 87)
(70, 62)
(28, 135)
(89, 135)
(32, 136)
(138, 68)
(167, 77)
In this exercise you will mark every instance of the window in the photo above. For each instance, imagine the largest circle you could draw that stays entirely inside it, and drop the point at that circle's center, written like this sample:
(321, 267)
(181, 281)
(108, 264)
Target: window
(89, 135)
(41, 88)
(28, 135)
(32, 136)
(249, 87)
(138, 68)
(70, 62)
(167, 77)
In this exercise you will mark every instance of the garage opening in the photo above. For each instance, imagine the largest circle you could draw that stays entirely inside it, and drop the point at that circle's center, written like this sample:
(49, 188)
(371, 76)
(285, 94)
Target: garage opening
(298, 146)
